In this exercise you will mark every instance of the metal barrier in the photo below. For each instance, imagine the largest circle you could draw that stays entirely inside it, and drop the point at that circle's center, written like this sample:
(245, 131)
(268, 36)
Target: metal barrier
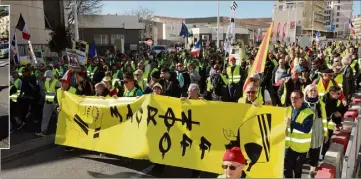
(350, 162)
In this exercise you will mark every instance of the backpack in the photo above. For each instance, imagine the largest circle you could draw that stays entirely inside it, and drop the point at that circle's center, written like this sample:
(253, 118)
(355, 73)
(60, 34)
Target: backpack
(180, 79)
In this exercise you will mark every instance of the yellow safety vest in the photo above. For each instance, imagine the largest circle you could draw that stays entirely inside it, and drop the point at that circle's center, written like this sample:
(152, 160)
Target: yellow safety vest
(283, 97)
(145, 76)
(141, 84)
(234, 77)
(321, 89)
(259, 100)
(339, 79)
(132, 93)
(15, 96)
(50, 90)
(297, 140)
(353, 64)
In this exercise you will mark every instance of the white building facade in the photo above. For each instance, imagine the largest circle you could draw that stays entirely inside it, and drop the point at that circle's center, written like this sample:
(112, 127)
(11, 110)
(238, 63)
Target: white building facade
(338, 13)
(171, 28)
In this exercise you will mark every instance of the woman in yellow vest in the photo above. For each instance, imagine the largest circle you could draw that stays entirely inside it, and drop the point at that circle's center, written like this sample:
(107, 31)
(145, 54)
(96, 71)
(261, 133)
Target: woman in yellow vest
(319, 127)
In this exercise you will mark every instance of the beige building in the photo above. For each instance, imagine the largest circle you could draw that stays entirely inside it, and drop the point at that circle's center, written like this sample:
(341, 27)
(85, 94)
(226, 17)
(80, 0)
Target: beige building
(298, 18)
(33, 14)
(356, 21)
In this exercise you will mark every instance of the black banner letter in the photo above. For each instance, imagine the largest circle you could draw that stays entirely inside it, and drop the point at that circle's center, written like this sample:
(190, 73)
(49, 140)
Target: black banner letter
(204, 145)
(152, 111)
(165, 138)
(186, 141)
(115, 113)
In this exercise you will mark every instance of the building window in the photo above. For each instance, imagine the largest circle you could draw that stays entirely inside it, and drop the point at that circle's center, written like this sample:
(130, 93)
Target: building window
(338, 13)
(337, 20)
(304, 13)
(336, 25)
(280, 7)
(338, 1)
(101, 39)
(338, 7)
(114, 37)
(98, 39)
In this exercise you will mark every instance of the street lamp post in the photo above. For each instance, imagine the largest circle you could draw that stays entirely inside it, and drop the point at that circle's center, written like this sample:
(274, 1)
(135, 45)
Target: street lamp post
(76, 27)
(218, 24)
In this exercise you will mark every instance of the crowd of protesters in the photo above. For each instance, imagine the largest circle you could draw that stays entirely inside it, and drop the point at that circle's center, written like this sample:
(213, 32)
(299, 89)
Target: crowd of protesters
(303, 80)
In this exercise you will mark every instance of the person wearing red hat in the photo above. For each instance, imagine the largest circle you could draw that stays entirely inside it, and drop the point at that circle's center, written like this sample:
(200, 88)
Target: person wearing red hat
(233, 164)
(235, 76)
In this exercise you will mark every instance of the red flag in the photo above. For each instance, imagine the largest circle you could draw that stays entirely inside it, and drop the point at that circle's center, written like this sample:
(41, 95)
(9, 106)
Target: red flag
(278, 30)
(284, 30)
(260, 60)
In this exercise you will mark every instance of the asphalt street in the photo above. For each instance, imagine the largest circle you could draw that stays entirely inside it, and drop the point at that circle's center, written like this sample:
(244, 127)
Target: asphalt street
(56, 163)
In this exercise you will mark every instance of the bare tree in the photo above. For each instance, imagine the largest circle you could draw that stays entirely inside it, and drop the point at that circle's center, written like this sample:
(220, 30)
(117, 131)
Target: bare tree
(145, 16)
(85, 7)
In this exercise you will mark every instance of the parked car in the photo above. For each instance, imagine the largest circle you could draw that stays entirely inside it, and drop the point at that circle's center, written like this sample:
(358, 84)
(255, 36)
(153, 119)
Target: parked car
(4, 50)
(158, 48)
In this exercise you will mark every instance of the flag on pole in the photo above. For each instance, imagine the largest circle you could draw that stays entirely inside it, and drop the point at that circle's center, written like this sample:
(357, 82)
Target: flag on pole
(93, 50)
(14, 48)
(22, 27)
(231, 32)
(196, 49)
(184, 31)
(234, 5)
(284, 31)
(352, 30)
(278, 30)
(318, 35)
(260, 60)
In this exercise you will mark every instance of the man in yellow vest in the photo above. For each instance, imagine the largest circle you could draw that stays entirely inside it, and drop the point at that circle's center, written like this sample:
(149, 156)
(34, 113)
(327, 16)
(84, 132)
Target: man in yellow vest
(290, 84)
(299, 120)
(325, 81)
(51, 85)
(138, 75)
(130, 88)
(234, 74)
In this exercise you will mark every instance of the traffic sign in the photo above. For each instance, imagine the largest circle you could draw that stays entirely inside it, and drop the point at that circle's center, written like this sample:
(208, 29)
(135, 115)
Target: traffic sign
(332, 28)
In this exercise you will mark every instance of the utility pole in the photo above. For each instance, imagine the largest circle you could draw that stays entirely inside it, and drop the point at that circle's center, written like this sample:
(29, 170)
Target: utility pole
(218, 24)
(76, 27)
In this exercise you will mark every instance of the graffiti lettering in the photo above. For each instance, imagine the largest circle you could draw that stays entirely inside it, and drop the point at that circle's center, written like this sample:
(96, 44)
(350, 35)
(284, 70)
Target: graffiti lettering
(165, 139)
(130, 113)
(115, 113)
(186, 142)
(204, 145)
(170, 119)
(139, 119)
(152, 112)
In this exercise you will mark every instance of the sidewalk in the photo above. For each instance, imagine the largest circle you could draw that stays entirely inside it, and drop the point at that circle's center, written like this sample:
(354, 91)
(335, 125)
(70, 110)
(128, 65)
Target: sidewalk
(24, 142)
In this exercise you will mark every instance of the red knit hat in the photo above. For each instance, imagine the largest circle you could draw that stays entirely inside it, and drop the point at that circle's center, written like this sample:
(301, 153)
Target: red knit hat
(234, 155)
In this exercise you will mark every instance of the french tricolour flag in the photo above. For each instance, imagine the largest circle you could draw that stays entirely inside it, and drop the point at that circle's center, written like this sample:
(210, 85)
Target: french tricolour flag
(22, 27)
(196, 49)
(352, 30)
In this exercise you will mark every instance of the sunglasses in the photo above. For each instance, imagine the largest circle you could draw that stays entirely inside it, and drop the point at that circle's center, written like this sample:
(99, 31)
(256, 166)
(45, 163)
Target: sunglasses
(251, 92)
(231, 167)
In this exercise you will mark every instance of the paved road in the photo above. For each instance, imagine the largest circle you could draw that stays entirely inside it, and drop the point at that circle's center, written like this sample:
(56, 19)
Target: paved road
(56, 163)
